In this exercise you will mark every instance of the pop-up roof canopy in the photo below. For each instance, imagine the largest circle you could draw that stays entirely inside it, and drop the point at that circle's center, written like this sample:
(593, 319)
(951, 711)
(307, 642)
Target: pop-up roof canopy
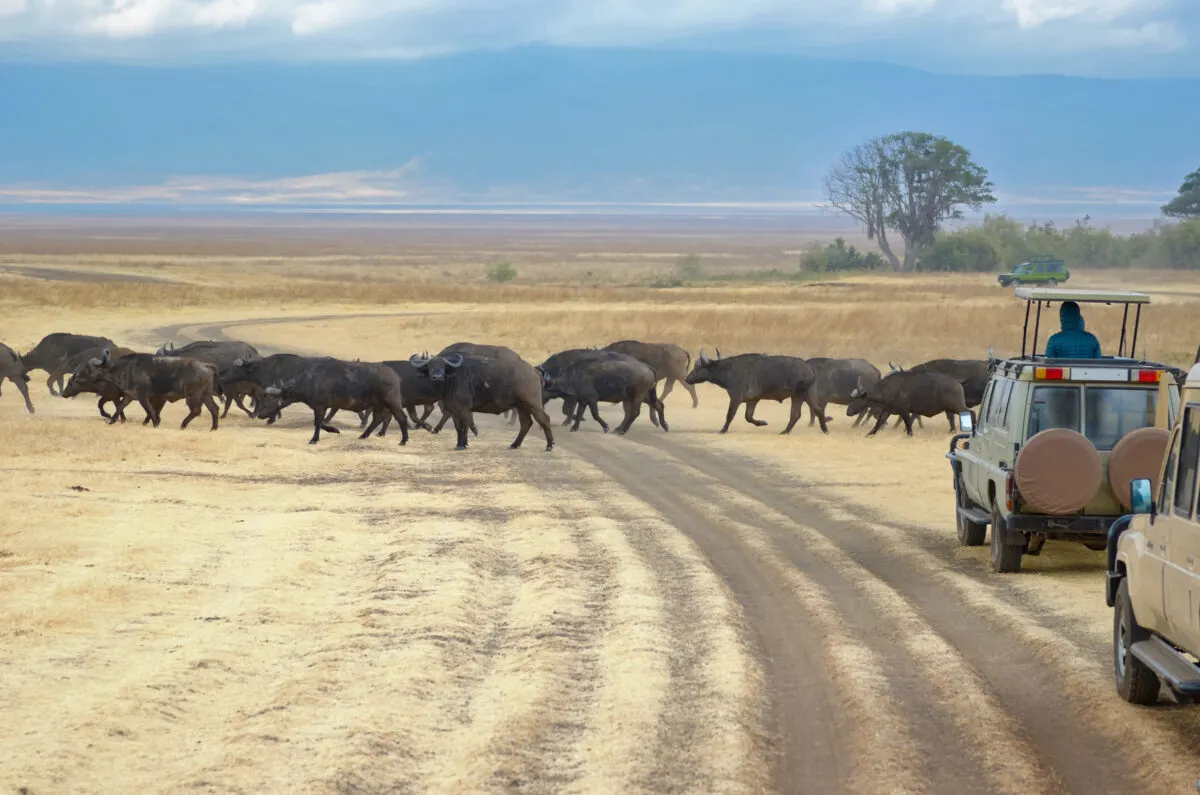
(1048, 295)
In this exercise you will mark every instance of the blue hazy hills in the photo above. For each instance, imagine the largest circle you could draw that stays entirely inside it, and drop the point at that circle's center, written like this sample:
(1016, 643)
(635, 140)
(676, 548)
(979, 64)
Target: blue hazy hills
(583, 124)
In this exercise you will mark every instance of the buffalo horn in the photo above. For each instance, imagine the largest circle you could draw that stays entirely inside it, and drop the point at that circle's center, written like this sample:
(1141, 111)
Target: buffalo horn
(454, 359)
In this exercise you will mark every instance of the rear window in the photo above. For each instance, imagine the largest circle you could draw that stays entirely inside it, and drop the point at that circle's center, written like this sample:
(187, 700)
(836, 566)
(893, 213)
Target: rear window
(1112, 413)
(1054, 407)
(1106, 413)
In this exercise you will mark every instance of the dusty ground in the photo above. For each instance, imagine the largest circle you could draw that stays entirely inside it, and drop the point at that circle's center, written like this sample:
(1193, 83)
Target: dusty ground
(683, 612)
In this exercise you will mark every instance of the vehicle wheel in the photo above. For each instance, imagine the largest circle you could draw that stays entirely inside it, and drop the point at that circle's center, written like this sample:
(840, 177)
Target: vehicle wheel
(1136, 683)
(1006, 559)
(970, 534)
(1051, 282)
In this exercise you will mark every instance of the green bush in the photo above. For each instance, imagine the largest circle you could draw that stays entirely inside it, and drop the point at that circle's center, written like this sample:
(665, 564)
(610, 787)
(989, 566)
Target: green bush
(970, 251)
(689, 268)
(838, 257)
(501, 272)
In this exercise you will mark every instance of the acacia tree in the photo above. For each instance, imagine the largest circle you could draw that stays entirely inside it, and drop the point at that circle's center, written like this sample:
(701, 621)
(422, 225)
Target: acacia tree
(909, 183)
(1187, 203)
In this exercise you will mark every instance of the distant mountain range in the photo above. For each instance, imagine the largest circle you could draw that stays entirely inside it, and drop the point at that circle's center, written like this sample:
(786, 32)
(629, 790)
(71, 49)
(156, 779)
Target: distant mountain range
(546, 125)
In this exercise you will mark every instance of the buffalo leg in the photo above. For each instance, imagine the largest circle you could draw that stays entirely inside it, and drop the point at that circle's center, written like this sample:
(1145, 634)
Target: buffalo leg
(691, 391)
(395, 409)
(50, 386)
(238, 400)
(228, 404)
(462, 422)
(568, 410)
(817, 411)
(318, 424)
(527, 423)
(211, 402)
(100, 405)
(657, 407)
(668, 386)
(24, 390)
(633, 407)
(751, 405)
(578, 418)
(879, 423)
(543, 419)
(950, 419)
(729, 415)
(594, 407)
(793, 414)
(442, 422)
(908, 421)
(194, 405)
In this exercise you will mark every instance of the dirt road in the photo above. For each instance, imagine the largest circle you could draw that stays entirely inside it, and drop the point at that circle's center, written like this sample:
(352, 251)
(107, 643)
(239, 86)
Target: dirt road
(888, 666)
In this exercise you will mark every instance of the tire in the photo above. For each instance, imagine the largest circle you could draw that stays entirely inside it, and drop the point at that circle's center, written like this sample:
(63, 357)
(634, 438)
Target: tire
(1051, 282)
(970, 534)
(1006, 558)
(1135, 683)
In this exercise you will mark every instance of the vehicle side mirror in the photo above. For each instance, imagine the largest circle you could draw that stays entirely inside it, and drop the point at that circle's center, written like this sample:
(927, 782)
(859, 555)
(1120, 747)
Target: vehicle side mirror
(966, 422)
(1141, 498)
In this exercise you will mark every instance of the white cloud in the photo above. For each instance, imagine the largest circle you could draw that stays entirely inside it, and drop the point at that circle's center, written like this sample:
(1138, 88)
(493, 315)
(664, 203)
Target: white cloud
(975, 29)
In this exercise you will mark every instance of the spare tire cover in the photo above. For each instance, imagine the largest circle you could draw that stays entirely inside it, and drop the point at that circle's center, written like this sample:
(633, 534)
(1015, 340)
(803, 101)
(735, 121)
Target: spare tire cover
(1139, 454)
(1058, 471)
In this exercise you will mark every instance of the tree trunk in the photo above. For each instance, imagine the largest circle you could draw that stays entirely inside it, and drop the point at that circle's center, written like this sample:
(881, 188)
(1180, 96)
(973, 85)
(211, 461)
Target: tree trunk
(886, 248)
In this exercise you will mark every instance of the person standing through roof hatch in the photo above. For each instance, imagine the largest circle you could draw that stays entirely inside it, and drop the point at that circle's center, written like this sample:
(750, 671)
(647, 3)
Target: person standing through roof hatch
(1073, 342)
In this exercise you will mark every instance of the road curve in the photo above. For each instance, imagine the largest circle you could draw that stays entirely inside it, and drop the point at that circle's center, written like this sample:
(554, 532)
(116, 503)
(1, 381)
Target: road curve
(889, 665)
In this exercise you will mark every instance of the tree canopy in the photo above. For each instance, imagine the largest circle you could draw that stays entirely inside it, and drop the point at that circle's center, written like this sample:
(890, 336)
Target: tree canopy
(1187, 203)
(909, 183)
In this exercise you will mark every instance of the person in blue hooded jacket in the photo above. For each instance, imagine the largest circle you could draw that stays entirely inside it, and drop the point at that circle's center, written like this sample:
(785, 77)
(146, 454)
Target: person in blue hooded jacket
(1073, 342)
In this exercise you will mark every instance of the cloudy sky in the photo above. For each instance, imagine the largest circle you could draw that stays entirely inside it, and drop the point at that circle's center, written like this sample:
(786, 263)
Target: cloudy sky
(1084, 37)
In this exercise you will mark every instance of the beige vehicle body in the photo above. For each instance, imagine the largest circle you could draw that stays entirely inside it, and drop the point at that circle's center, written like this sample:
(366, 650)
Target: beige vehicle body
(1095, 402)
(1154, 571)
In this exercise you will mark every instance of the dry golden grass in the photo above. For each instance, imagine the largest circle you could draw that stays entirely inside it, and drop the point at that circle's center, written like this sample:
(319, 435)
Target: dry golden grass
(353, 616)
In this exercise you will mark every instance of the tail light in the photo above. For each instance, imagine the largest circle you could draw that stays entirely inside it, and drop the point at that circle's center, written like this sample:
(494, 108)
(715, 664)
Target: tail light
(1010, 490)
(1149, 376)
(1051, 373)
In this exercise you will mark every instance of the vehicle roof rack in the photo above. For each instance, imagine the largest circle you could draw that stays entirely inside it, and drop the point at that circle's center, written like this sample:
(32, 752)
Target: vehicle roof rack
(1044, 296)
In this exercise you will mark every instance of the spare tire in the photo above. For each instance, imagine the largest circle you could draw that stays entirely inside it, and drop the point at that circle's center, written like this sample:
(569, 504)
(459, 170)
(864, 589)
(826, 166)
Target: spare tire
(1139, 454)
(1058, 471)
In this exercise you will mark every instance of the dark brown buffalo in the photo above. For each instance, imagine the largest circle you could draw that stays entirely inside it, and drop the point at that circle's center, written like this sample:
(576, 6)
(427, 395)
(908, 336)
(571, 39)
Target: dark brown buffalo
(668, 361)
(487, 352)
(751, 377)
(153, 381)
(107, 392)
(835, 382)
(52, 353)
(558, 363)
(908, 394)
(327, 384)
(588, 382)
(973, 374)
(416, 391)
(13, 369)
(252, 376)
(223, 354)
(489, 386)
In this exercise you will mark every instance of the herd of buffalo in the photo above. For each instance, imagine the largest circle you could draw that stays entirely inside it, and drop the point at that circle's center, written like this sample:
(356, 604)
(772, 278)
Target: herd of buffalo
(467, 378)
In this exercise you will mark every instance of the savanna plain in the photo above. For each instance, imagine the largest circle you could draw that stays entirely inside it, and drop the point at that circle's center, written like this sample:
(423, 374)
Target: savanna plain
(238, 611)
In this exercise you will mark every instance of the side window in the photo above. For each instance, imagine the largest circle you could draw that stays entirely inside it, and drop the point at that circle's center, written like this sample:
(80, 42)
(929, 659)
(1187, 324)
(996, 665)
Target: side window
(1166, 491)
(1189, 458)
(986, 406)
(999, 403)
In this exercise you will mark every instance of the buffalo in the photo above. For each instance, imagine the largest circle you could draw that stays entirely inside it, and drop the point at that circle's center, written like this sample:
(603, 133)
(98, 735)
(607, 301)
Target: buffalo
(416, 391)
(973, 374)
(667, 360)
(12, 368)
(487, 352)
(559, 362)
(326, 384)
(835, 382)
(909, 394)
(151, 380)
(106, 391)
(624, 380)
(53, 352)
(471, 384)
(223, 354)
(751, 377)
(252, 376)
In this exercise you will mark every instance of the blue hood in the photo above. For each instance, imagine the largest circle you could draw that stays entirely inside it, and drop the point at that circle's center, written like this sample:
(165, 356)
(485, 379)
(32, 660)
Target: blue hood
(1070, 316)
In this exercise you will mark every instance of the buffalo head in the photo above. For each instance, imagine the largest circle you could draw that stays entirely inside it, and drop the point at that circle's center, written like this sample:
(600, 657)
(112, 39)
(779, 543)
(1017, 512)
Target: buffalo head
(702, 369)
(436, 368)
(88, 376)
(272, 400)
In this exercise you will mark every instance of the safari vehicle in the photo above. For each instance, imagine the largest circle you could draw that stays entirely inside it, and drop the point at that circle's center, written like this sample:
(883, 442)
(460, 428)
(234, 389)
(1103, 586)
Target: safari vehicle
(1057, 441)
(1046, 271)
(1153, 580)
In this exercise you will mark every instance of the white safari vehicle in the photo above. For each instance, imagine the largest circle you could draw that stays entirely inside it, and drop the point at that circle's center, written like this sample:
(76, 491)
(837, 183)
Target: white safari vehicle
(1057, 441)
(1154, 570)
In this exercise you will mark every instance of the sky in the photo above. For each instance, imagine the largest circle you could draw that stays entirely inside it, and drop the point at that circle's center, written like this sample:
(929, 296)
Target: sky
(250, 103)
(1082, 37)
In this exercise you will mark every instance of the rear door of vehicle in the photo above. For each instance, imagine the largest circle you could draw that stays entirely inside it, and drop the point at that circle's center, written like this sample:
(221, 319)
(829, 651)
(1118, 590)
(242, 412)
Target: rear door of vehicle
(1181, 587)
